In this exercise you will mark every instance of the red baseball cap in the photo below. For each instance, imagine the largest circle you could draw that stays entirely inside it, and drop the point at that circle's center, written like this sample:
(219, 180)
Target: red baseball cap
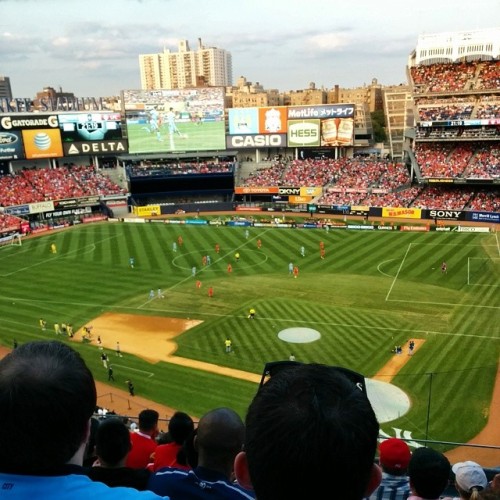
(394, 453)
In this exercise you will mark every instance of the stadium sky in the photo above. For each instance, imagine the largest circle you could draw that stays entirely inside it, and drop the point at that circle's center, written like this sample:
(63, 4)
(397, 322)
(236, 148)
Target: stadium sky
(91, 47)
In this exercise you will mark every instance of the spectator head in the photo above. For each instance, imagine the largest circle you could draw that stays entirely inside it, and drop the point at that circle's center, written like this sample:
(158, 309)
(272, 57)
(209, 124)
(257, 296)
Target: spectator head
(429, 472)
(180, 426)
(148, 421)
(469, 477)
(188, 455)
(309, 429)
(219, 438)
(47, 397)
(112, 442)
(394, 456)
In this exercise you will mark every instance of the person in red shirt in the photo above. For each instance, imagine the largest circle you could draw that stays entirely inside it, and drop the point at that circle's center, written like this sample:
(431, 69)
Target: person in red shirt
(229, 268)
(143, 442)
(217, 248)
(198, 284)
(180, 427)
(295, 271)
(210, 292)
(259, 243)
(180, 241)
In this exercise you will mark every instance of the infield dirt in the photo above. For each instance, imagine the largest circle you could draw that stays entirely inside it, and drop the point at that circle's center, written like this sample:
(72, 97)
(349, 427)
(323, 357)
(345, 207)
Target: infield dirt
(157, 343)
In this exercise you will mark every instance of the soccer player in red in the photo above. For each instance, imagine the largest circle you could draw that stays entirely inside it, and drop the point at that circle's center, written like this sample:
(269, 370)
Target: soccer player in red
(204, 260)
(259, 243)
(180, 240)
(217, 248)
(198, 284)
(295, 271)
(210, 292)
(229, 268)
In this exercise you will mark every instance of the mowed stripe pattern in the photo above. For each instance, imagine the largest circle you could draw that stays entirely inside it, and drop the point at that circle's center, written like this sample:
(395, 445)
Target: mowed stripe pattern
(372, 290)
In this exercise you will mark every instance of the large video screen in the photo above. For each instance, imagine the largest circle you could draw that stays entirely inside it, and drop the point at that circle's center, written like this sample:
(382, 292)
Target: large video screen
(175, 120)
(91, 126)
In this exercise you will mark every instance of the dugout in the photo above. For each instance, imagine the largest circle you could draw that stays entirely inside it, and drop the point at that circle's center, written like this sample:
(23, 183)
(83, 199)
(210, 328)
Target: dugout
(201, 182)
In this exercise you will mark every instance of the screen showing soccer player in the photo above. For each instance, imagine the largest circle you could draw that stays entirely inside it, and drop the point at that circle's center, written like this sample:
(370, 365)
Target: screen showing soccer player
(175, 120)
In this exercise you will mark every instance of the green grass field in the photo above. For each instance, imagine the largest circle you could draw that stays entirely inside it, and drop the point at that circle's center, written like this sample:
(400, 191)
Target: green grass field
(372, 291)
(195, 137)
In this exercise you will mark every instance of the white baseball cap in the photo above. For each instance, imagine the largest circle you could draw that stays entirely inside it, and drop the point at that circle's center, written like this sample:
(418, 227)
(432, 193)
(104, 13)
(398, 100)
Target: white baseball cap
(469, 475)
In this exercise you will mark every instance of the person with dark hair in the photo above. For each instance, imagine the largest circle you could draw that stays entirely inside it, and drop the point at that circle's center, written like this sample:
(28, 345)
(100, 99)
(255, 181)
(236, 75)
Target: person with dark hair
(89, 456)
(180, 426)
(47, 398)
(394, 457)
(429, 472)
(143, 441)
(311, 432)
(112, 447)
(218, 439)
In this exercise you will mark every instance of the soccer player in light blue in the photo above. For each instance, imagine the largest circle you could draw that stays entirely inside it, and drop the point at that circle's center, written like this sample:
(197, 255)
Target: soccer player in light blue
(154, 126)
(172, 127)
(193, 271)
(290, 268)
(302, 251)
(131, 262)
(174, 247)
(151, 294)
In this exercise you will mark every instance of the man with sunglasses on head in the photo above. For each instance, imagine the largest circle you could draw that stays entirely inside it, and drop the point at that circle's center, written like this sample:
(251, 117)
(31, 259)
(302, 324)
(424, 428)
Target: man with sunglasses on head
(311, 432)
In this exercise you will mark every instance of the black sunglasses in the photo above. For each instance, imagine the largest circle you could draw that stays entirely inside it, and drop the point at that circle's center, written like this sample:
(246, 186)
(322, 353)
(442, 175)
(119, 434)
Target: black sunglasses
(274, 367)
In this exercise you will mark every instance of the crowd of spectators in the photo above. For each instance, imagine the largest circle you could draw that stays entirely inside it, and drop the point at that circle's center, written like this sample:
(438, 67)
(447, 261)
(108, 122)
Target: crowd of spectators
(335, 429)
(8, 222)
(147, 169)
(268, 176)
(445, 113)
(452, 77)
(461, 132)
(42, 184)
(458, 159)
(384, 183)
(360, 173)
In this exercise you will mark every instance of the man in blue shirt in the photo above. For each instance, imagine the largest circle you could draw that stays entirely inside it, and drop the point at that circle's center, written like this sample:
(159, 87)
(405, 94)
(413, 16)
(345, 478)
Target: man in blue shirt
(47, 398)
(219, 438)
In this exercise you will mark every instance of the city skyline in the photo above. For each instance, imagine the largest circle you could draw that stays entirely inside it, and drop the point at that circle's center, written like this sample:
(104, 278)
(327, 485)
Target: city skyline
(92, 48)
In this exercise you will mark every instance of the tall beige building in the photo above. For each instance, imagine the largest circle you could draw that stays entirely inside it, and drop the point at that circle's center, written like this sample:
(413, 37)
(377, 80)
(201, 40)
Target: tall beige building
(206, 66)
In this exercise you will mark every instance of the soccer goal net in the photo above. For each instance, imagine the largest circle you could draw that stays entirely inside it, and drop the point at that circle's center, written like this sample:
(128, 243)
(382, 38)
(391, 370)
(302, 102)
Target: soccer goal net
(11, 240)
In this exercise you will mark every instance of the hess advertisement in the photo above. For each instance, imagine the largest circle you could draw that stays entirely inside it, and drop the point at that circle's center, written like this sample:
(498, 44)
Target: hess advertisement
(328, 125)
